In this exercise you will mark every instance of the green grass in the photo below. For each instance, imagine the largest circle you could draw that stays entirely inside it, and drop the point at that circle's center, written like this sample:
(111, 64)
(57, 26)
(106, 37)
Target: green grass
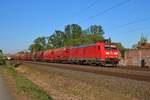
(25, 86)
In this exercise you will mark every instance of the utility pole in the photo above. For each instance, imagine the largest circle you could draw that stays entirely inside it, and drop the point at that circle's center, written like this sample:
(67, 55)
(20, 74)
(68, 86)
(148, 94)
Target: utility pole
(140, 53)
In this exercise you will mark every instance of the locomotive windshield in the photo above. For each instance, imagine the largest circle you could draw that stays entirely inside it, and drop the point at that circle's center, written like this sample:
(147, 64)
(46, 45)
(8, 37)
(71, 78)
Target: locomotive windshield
(110, 47)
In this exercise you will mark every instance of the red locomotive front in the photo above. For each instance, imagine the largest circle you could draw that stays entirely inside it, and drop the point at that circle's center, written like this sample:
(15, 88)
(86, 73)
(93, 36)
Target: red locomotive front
(99, 53)
(108, 53)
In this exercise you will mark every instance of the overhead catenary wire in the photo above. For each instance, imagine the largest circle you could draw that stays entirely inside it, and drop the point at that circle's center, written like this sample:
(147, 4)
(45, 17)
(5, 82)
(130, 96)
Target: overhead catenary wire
(139, 30)
(106, 10)
(88, 7)
(131, 23)
(83, 10)
(101, 12)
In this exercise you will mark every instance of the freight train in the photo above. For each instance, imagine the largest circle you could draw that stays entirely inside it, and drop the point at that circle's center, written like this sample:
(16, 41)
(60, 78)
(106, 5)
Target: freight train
(100, 53)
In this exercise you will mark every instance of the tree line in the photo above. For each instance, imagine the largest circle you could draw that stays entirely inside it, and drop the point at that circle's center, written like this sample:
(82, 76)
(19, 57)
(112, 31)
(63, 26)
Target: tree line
(73, 35)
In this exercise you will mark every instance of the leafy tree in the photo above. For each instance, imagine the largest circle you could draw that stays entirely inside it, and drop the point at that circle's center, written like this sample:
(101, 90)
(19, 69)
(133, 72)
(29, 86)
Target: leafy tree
(121, 49)
(2, 57)
(41, 41)
(1, 52)
(141, 42)
(73, 31)
(57, 39)
(35, 47)
(96, 37)
(38, 45)
(84, 40)
(95, 29)
(78, 36)
(134, 46)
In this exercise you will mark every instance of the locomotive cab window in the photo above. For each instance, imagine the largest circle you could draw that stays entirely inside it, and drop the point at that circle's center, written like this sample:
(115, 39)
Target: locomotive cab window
(110, 47)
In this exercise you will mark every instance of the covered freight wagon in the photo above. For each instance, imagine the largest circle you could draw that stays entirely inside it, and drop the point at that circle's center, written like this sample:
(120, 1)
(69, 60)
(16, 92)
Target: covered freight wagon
(48, 55)
(39, 56)
(57, 55)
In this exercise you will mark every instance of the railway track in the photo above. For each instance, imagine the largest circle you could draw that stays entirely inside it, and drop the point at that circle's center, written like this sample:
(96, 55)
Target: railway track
(141, 75)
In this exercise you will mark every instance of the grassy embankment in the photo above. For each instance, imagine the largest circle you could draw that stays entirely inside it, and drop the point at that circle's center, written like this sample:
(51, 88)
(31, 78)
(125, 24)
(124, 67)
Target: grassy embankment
(21, 86)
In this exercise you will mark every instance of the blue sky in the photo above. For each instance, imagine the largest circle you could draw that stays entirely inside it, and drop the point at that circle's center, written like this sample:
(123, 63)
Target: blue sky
(21, 21)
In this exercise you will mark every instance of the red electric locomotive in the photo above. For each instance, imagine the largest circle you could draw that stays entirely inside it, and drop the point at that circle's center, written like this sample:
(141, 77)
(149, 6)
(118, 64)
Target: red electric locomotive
(99, 53)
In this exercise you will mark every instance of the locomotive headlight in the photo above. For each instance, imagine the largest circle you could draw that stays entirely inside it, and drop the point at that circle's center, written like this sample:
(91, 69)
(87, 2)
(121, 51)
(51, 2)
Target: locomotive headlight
(107, 53)
(115, 53)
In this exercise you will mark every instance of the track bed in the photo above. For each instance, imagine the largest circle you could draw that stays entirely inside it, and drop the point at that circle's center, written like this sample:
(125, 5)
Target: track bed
(136, 74)
(64, 84)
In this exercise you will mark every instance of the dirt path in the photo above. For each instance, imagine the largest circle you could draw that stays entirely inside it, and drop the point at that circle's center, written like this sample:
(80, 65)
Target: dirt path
(4, 92)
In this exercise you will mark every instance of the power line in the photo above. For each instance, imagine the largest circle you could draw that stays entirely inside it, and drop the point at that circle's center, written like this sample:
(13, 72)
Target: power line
(136, 30)
(102, 12)
(85, 9)
(106, 10)
(88, 7)
(133, 22)
(133, 30)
